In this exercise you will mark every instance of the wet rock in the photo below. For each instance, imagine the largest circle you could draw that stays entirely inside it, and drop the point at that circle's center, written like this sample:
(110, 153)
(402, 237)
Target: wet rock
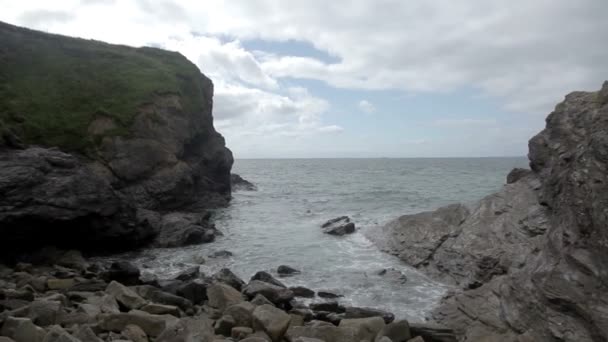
(338, 226)
(182, 229)
(275, 294)
(328, 295)
(267, 278)
(222, 296)
(189, 274)
(331, 306)
(240, 184)
(301, 291)
(123, 272)
(220, 254)
(285, 271)
(271, 320)
(356, 312)
(226, 276)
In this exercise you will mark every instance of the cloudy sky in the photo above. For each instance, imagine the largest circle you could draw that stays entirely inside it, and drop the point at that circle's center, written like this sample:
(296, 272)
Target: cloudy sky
(375, 78)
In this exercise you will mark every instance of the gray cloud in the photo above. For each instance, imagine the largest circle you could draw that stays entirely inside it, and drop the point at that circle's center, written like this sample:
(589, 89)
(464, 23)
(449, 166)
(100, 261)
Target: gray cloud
(38, 18)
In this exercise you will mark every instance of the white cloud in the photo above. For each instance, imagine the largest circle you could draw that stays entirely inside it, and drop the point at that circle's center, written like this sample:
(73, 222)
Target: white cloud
(331, 129)
(367, 106)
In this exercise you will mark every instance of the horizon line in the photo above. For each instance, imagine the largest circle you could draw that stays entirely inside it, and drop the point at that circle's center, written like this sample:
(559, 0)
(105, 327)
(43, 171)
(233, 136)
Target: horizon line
(460, 157)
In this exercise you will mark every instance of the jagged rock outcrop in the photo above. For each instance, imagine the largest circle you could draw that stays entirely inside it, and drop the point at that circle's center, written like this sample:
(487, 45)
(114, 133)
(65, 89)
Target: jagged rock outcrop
(552, 284)
(467, 245)
(100, 141)
(239, 183)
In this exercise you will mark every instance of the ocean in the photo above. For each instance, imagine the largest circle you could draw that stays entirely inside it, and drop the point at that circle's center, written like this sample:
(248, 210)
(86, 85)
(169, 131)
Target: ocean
(279, 224)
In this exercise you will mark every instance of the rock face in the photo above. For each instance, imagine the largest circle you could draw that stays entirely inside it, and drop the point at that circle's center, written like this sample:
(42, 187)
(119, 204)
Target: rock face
(238, 183)
(102, 170)
(531, 259)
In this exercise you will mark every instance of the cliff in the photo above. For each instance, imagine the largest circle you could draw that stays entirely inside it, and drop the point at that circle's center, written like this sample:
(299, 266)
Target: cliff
(530, 260)
(99, 141)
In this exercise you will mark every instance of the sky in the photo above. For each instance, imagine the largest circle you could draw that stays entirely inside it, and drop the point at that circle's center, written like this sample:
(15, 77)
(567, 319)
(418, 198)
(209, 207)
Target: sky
(375, 78)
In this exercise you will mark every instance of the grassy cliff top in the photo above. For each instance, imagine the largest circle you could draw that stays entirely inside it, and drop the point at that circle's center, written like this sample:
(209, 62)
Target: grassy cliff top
(52, 86)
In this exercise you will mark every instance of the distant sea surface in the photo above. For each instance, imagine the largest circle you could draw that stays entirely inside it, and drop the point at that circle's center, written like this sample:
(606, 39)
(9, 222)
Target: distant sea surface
(279, 223)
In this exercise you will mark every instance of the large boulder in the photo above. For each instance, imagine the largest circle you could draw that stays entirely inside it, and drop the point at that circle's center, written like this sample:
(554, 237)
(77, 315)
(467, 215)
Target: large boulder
(125, 296)
(182, 229)
(339, 226)
(271, 320)
(222, 296)
(273, 293)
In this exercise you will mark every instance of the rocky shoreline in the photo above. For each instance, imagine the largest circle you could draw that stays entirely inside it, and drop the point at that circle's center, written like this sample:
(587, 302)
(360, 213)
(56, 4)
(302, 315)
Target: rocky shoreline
(69, 299)
(529, 260)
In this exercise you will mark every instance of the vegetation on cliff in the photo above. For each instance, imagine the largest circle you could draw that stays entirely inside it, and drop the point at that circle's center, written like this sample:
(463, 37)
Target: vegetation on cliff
(52, 87)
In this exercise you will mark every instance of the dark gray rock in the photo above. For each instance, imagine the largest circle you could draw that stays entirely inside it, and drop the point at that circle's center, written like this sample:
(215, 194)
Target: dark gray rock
(276, 294)
(49, 196)
(123, 272)
(338, 226)
(432, 333)
(220, 254)
(529, 258)
(330, 306)
(301, 291)
(328, 295)
(285, 271)
(182, 229)
(226, 276)
(189, 274)
(517, 174)
(267, 278)
(240, 184)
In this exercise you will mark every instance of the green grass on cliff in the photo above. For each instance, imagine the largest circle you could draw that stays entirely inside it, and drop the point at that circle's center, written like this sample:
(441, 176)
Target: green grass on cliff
(52, 87)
